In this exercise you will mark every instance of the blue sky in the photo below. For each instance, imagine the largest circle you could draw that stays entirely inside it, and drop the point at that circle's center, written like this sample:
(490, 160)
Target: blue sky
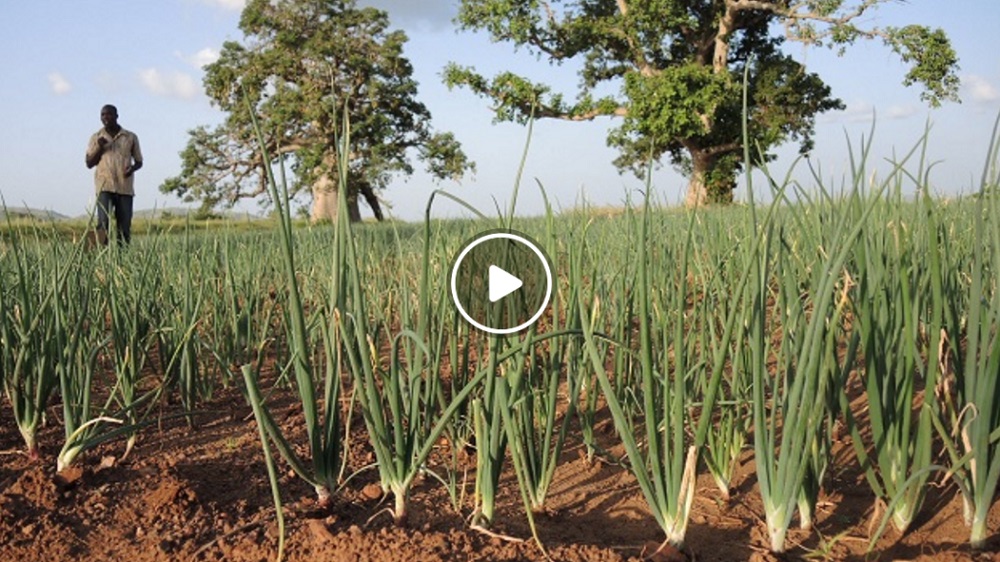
(64, 59)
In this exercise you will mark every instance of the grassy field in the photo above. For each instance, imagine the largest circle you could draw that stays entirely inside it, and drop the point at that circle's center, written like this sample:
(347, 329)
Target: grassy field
(701, 335)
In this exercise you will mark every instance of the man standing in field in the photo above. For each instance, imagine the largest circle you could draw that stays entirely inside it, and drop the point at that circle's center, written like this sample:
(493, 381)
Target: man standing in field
(115, 152)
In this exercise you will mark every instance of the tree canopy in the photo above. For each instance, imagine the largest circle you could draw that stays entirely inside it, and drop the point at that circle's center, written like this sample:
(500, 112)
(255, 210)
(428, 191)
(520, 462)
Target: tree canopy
(678, 67)
(303, 65)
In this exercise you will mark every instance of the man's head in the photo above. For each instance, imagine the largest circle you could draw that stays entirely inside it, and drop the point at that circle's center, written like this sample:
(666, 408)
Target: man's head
(109, 116)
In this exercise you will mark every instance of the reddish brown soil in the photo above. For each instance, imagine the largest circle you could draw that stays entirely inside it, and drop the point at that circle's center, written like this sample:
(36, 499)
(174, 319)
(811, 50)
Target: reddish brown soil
(203, 495)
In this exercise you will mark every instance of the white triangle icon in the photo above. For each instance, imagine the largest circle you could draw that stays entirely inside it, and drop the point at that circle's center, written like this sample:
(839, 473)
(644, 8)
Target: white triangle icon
(502, 283)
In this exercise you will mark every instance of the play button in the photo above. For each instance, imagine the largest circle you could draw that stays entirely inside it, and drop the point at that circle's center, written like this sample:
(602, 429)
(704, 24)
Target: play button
(501, 281)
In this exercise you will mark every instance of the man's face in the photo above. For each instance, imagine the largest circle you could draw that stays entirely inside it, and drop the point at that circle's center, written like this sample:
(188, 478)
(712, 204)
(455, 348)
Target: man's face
(109, 117)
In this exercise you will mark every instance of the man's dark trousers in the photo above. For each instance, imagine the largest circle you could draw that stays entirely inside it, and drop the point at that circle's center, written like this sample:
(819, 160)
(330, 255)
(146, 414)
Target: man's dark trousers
(122, 207)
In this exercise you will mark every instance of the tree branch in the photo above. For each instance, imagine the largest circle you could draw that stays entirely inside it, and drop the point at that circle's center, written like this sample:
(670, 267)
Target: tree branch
(793, 11)
(722, 148)
(720, 55)
(551, 113)
(639, 57)
(794, 16)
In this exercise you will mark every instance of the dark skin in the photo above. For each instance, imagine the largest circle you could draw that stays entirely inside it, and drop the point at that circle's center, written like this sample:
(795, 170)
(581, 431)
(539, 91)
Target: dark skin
(109, 117)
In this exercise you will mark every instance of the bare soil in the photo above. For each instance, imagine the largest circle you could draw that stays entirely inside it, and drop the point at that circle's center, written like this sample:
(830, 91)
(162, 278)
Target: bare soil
(202, 494)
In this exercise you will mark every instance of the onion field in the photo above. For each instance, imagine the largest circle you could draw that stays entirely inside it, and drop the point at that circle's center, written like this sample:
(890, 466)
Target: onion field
(834, 340)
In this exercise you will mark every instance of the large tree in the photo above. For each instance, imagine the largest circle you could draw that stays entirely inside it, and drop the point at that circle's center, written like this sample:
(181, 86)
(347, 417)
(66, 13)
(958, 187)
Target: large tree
(301, 66)
(678, 68)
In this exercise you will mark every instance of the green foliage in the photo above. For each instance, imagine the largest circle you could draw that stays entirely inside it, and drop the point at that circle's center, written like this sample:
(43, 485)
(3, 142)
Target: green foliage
(667, 105)
(678, 66)
(301, 65)
(932, 58)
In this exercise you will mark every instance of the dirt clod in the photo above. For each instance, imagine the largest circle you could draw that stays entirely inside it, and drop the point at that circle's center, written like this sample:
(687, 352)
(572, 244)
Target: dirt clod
(372, 491)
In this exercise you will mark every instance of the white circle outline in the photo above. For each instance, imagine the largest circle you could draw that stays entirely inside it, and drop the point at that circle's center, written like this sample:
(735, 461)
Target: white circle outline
(541, 258)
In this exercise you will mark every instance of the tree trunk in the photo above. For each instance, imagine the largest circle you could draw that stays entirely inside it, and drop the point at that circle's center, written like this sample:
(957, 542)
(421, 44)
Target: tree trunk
(372, 201)
(326, 195)
(697, 190)
(326, 202)
(713, 179)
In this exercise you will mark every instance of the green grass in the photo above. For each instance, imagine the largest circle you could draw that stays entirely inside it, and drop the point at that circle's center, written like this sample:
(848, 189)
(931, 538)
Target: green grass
(709, 329)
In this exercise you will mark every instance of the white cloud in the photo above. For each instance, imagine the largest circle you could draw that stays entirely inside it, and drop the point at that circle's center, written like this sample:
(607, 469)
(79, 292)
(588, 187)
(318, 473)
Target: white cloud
(200, 59)
(231, 5)
(979, 89)
(59, 84)
(171, 85)
(901, 111)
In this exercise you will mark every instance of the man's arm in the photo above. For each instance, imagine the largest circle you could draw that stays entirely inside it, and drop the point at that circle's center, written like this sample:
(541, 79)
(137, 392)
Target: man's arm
(94, 157)
(136, 157)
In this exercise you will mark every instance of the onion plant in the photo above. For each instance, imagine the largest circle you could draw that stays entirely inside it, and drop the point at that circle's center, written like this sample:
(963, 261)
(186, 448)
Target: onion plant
(973, 441)
(535, 431)
(398, 402)
(322, 417)
(490, 408)
(401, 402)
(527, 397)
(611, 284)
(727, 435)
(889, 308)
(790, 402)
(503, 358)
(669, 371)
(178, 339)
(241, 309)
(32, 341)
(493, 426)
(79, 344)
(491, 443)
(716, 270)
(132, 285)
